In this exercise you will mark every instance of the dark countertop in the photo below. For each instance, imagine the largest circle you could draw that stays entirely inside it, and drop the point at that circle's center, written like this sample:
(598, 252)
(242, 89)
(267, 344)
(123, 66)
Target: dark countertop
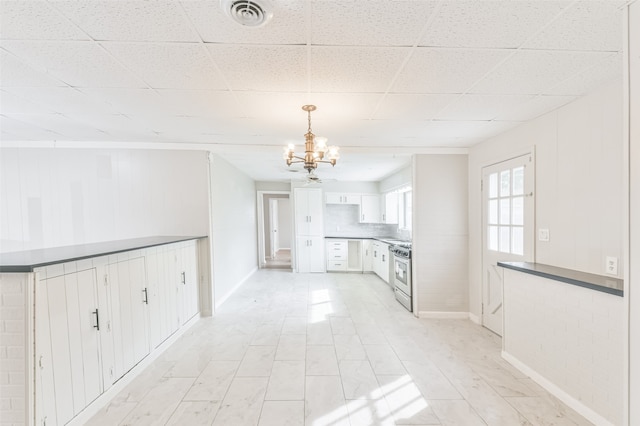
(601, 283)
(388, 240)
(27, 261)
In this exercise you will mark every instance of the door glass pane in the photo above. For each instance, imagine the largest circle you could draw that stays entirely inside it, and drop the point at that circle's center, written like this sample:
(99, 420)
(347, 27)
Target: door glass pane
(517, 210)
(505, 183)
(504, 239)
(505, 211)
(493, 238)
(493, 212)
(517, 240)
(493, 185)
(518, 181)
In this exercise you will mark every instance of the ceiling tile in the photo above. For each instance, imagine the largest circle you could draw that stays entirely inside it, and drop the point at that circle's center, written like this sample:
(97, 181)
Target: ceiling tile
(128, 20)
(288, 25)
(129, 101)
(532, 72)
(446, 70)
(262, 68)
(35, 20)
(534, 108)
(203, 103)
(353, 69)
(79, 64)
(63, 100)
(410, 106)
(116, 126)
(371, 23)
(12, 102)
(591, 78)
(498, 24)
(58, 123)
(481, 107)
(15, 73)
(169, 66)
(587, 25)
(23, 130)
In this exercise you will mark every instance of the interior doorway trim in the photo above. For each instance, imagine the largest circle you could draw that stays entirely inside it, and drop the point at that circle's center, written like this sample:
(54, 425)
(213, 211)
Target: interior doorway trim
(261, 228)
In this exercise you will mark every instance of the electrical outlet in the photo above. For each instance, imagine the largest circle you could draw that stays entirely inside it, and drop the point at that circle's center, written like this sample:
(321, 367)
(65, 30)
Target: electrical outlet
(543, 234)
(612, 265)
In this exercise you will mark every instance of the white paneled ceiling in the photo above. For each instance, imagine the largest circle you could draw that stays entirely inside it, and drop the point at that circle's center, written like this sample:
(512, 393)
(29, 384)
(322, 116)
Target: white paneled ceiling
(389, 77)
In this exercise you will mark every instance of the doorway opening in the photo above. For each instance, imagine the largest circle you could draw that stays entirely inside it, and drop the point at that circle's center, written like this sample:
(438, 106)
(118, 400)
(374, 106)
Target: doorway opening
(275, 230)
(507, 228)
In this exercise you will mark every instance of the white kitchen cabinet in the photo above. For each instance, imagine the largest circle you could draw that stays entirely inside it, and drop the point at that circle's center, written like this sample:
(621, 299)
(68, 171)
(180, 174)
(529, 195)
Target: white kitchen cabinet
(342, 198)
(381, 260)
(68, 368)
(370, 209)
(188, 270)
(97, 318)
(390, 208)
(310, 253)
(129, 314)
(337, 254)
(367, 256)
(308, 208)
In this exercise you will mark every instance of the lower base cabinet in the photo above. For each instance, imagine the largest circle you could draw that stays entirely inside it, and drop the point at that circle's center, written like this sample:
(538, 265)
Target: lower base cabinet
(97, 318)
(310, 254)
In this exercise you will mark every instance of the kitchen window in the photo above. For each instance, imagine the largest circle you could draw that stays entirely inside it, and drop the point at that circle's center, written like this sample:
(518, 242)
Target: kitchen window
(404, 208)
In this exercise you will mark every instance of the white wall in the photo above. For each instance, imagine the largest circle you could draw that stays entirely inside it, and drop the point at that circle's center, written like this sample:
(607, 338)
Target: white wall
(400, 178)
(440, 233)
(234, 237)
(578, 154)
(57, 197)
(568, 339)
(632, 291)
(285, 221)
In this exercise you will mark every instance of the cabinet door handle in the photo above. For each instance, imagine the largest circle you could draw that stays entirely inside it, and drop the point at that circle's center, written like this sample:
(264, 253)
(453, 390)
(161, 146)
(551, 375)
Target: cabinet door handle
(97, 326)
(384, 217)
(311, 242)
(383, 257)
(146, 296)
(362, 217)
(183, 277)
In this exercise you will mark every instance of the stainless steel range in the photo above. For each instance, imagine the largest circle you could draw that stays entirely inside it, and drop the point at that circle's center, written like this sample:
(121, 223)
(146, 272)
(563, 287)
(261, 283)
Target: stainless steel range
(402, 274)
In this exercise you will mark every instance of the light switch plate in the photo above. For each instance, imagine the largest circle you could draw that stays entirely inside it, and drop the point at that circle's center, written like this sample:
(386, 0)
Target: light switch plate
(611, 267)
(543, 234)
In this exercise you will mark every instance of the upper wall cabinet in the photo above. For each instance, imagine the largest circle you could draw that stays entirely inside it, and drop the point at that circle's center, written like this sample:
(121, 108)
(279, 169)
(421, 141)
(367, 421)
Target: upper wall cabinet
(370, 209)
(390, 208)
(308, 211)
(342, 198)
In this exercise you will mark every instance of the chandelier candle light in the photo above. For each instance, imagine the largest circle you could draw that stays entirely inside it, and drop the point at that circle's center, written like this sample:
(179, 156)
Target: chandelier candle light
(315, 149)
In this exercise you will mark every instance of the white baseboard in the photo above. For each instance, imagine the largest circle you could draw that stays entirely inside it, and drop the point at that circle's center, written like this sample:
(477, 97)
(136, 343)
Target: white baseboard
(103, 400)
(443, 315)
(235, 287)
(474, 318)
(556, 391)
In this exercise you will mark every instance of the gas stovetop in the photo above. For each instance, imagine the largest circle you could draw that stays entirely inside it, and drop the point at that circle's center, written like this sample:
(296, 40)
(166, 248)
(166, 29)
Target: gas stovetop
(402, 250)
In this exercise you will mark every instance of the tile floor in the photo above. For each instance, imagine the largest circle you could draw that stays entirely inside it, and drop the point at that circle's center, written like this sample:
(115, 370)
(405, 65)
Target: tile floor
(331, 349)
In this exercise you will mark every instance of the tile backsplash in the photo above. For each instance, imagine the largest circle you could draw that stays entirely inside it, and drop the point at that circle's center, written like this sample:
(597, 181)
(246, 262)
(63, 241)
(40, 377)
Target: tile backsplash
(342, 221)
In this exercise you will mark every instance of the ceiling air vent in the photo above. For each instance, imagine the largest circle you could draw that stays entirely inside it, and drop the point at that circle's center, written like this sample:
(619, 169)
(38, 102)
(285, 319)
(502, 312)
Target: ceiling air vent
(248, 13)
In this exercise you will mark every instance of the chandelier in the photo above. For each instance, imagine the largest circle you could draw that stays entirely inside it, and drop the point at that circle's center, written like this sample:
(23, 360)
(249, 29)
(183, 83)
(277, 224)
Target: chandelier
(315, 148)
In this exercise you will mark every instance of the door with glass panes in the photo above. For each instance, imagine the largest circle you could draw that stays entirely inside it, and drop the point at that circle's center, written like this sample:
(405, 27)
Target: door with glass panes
(508, 228)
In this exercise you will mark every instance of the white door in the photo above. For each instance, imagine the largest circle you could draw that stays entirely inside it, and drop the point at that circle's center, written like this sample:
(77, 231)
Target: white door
(273, 226)
(508, 228)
